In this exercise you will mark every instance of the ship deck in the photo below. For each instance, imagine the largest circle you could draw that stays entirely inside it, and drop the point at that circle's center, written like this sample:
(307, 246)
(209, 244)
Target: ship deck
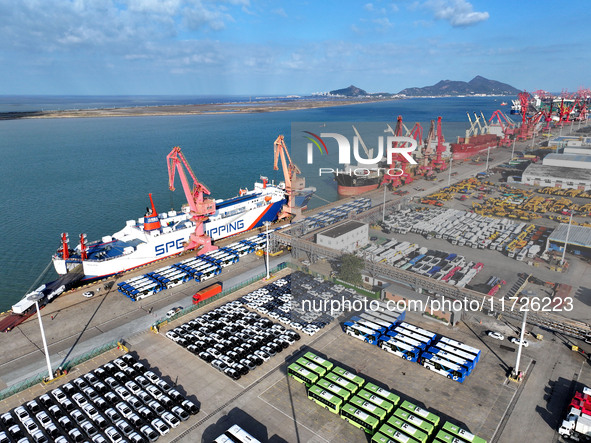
(104, 251)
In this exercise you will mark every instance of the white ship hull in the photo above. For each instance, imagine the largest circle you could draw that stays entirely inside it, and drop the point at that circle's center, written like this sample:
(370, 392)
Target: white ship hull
(133, 247)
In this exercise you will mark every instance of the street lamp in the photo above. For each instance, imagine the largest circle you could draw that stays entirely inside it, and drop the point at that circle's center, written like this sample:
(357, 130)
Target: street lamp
(513, 150)
(451, 159)
(36, 297)
(384, 208)
(566, 240)
(518, 360)
(268, 270)
(487, 157)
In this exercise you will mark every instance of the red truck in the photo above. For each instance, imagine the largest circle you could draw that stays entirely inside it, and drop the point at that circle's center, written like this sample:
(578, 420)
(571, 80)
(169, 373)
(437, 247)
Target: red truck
(207, 292)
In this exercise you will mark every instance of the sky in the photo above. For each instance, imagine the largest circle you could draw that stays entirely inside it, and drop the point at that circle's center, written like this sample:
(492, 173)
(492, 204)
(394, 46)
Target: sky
(281, 47)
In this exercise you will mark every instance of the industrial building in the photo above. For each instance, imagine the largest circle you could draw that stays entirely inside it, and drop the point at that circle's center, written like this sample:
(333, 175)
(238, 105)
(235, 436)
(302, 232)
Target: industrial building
(569, 171)
(581, 141)
(580, 161)
(557, 177)
(578, 242)
(346, 237)
(584, 150)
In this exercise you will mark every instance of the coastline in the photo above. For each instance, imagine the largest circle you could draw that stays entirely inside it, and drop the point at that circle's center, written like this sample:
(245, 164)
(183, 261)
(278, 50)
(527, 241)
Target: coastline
(198, 109)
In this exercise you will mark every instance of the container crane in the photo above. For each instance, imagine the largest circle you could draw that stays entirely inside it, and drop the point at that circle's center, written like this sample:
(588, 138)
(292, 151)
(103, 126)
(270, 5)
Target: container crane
(501, 125)
(425, 169)
(405, 178)
(525, 130)
(290, 174)
(199, 206)
(439, 164)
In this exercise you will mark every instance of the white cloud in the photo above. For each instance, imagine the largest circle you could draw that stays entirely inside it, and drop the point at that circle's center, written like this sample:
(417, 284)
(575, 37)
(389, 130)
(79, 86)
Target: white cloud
(107, 25)
(384, 23)
(458, 13)
(280, 11)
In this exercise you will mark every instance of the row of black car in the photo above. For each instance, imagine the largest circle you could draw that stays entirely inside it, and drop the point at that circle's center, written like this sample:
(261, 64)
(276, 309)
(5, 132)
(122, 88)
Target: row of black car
(234, 340)
(120, 401)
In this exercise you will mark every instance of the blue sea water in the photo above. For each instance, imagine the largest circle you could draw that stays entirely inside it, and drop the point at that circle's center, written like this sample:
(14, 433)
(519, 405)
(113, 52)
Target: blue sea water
(89, 175)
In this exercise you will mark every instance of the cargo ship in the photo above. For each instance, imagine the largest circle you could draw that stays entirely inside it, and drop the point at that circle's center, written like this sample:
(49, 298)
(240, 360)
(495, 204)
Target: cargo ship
(157, 236)
(469, 146)
(515, 107)
(356, 180)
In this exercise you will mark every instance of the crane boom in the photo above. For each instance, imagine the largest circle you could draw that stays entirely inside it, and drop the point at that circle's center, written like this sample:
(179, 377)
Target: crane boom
(200, 207)
(290, 173)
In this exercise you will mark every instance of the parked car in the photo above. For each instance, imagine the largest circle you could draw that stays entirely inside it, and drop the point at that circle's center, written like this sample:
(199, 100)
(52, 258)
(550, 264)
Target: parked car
(190, 407)
(496, 335)
(149, 433)
(174, 311)
(160, 426)
(515, 340)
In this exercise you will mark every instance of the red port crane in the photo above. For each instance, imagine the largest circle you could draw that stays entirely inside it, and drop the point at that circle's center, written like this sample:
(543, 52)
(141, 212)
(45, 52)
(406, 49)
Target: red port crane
(405, 178)
(425, 168)
(505, 124)
(290, 172)
(524, 102)
(200, 206)
(439, 164)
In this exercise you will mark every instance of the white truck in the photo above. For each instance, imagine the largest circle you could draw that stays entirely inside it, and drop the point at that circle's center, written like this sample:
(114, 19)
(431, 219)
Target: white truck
(576, 426)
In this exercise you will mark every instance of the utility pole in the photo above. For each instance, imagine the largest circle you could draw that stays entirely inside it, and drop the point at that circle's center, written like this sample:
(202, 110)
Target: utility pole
(36, 297)
(384, 207)
(516, 371)
(566, 240)
(451, 159)
(268, 251)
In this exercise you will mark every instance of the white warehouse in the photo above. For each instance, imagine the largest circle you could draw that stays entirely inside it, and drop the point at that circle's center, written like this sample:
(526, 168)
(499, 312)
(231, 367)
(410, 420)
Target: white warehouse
(347, 237)
(569, 171)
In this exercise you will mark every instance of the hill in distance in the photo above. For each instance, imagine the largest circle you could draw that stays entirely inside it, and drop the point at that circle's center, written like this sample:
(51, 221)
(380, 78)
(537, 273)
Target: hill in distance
(478, 85)
(351, 91)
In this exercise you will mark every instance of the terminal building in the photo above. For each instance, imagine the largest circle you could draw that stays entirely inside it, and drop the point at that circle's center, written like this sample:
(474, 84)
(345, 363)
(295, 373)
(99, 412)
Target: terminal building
(346, 237)
(569, 171)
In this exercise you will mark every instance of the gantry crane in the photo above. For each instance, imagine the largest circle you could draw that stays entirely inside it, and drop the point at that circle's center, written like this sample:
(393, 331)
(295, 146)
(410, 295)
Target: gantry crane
(398, 161)
(200, 206)
(439, 164)
(425, 169)
(291, 179)
(501, 125)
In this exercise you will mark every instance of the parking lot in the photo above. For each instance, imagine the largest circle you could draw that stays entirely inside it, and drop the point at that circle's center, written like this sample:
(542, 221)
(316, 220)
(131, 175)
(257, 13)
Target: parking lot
(119, 399)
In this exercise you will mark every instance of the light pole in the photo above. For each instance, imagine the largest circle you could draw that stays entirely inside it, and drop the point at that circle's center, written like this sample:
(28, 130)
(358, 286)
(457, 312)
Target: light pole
(566, 240)
(533, 141)
(513, 150)
(516, 373)
(451, 159)
(268, 270)
(36, 297)
(384, 207)
(487, 157)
